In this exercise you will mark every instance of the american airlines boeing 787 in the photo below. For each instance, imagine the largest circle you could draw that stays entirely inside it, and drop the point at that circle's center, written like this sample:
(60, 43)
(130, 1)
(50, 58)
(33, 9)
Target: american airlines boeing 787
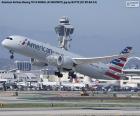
(43, 54)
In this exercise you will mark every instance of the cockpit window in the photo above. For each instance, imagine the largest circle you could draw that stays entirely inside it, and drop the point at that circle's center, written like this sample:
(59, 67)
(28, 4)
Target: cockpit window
(9, 38)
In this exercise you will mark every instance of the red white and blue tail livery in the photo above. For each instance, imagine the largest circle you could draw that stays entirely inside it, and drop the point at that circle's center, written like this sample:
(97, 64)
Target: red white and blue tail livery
(116, 65)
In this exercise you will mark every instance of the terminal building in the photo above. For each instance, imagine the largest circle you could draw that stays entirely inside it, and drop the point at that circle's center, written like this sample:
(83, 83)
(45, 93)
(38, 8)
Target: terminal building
(24, 75)
(133, 78)
(23, 65)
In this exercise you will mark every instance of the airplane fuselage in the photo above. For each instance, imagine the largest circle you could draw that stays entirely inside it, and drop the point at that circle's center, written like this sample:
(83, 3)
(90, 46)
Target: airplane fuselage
(40, 51)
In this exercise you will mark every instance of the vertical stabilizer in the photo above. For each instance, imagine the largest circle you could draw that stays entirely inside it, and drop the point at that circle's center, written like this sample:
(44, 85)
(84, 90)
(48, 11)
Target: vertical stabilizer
(116, 65)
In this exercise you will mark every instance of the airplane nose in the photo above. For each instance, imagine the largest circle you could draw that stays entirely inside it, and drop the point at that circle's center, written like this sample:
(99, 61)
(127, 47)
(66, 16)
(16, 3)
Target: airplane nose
(3, 43)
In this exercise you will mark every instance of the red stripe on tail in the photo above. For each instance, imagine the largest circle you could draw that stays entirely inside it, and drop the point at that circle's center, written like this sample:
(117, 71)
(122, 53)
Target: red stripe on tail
(113, 75)
(123, 59)
(115, 69)
(120, 64)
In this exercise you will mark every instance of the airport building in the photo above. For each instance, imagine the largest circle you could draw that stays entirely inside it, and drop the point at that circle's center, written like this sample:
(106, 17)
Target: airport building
(23, 65)
(133, 78)
(23, 75)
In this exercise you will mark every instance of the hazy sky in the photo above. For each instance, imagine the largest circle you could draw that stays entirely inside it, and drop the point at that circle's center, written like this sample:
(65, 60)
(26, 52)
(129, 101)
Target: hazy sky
(100, 29)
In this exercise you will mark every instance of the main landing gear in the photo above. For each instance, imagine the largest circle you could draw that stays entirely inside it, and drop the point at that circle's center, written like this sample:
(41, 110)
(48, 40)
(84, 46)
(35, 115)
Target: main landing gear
(71, 76)
(12, 54)
(59, 74)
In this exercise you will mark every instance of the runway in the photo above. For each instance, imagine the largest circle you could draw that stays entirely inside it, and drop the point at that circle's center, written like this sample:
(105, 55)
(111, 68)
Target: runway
(54, 104)
(67, 112)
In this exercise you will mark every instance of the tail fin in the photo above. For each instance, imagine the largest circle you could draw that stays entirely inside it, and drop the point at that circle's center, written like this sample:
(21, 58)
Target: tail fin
(116, 65)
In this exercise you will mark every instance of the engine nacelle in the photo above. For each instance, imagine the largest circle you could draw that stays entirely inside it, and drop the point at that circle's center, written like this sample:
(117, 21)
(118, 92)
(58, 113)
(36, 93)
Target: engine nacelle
(54, 60)
(36, 62)
(60, 61)
(68, 63)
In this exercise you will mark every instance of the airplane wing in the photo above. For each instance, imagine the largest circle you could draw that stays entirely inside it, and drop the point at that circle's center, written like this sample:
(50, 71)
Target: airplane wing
(93, 60)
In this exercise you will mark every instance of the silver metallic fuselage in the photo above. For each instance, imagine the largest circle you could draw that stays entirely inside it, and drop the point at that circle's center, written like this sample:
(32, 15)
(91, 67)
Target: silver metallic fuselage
(19, 45)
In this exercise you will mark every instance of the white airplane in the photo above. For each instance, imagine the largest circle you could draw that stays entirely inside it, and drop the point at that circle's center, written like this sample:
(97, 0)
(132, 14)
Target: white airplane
(43, 54)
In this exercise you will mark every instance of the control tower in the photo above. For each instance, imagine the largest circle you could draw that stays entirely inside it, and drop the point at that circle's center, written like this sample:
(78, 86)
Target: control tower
(64, 30)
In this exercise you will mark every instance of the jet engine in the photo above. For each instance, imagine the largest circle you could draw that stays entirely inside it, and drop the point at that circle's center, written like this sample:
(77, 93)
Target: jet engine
(60, 61)
(63, 62)
(68, 63)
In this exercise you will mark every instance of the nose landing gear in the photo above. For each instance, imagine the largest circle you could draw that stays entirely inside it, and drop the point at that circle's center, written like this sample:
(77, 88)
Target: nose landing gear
(12, 54)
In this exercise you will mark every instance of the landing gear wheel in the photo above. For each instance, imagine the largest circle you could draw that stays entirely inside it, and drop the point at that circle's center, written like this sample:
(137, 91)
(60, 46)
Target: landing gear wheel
(72, 76)
(12, 54)
(59, 74)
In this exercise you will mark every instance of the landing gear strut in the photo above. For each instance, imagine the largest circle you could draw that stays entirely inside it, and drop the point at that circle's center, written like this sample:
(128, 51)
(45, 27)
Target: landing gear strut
(12, 54)
(60, 75)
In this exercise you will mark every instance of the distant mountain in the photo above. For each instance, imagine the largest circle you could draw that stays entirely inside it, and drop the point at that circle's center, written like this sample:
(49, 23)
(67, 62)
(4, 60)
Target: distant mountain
(6, 64)
(133, 63)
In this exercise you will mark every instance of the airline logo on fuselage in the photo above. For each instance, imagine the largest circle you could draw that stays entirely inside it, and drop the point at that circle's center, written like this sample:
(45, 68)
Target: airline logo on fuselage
(40, 48)
(24, 42)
